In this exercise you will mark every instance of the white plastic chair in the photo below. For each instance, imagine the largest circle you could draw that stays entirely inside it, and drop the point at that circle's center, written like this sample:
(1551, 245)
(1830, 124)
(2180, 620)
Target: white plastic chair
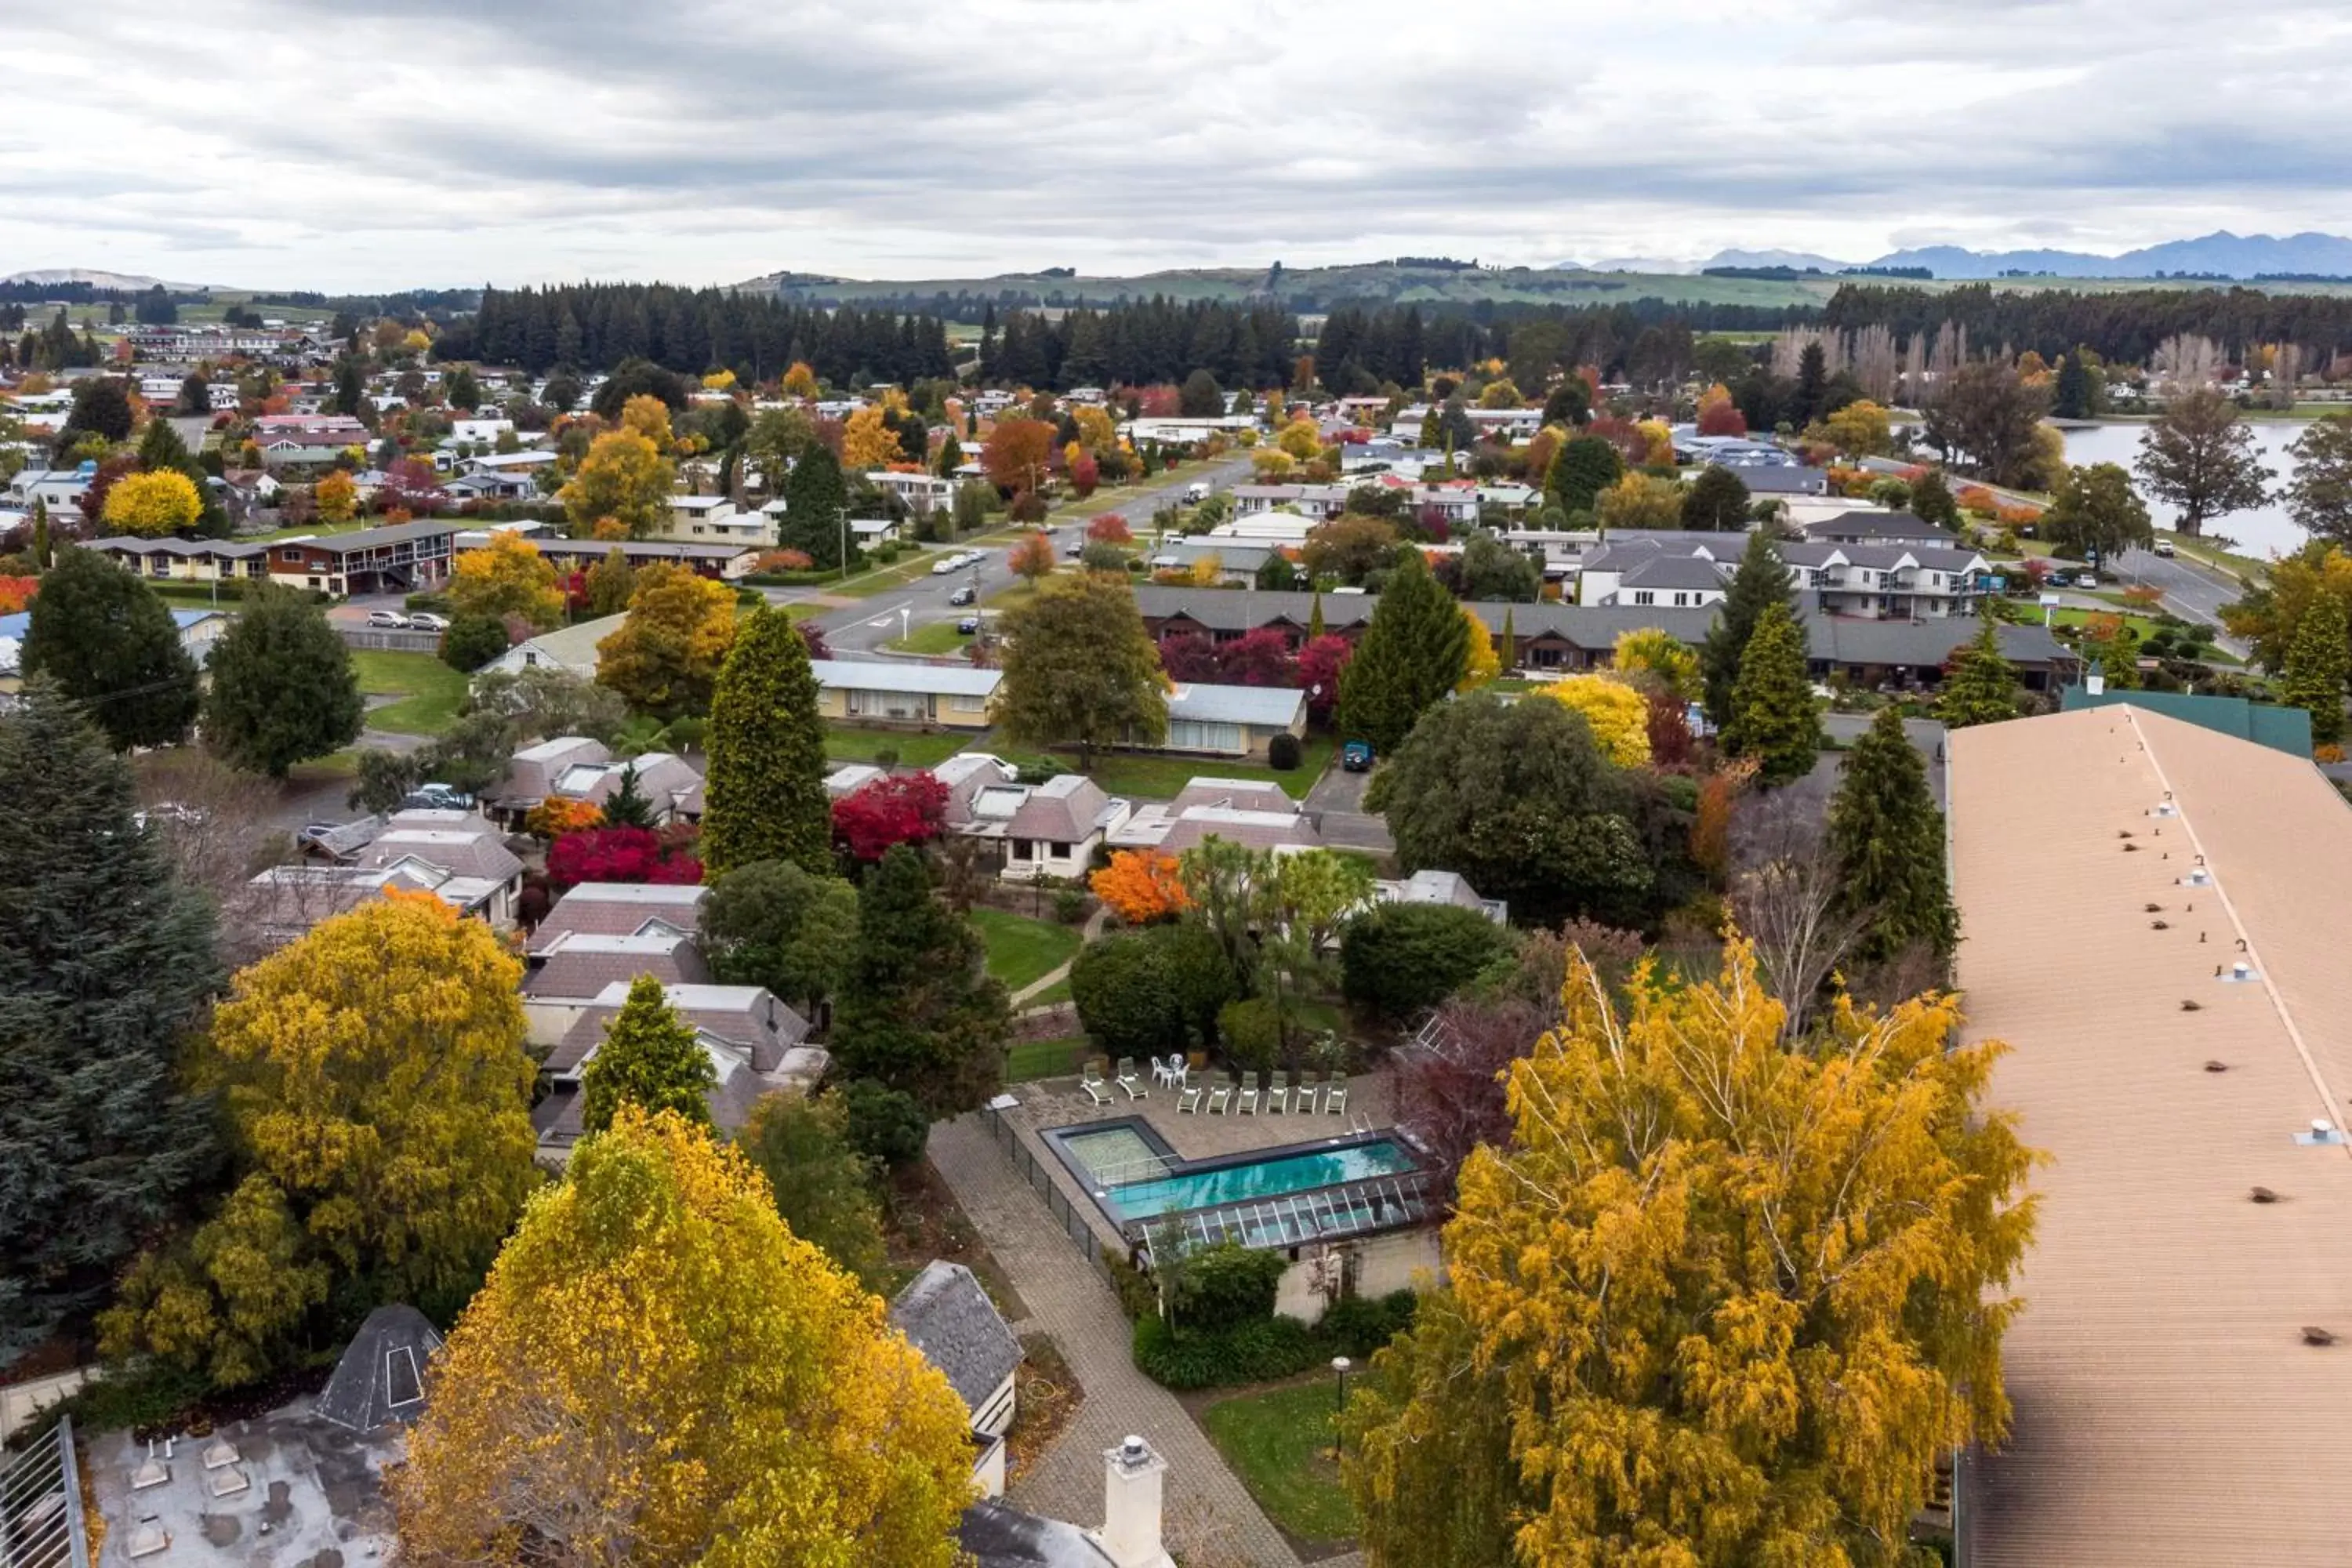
(1180, 1071)
(1160, 1073)
(1090, 1080)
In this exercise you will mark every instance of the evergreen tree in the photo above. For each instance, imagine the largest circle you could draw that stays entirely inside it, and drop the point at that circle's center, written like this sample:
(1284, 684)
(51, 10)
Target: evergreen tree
(106, 959)
(951, 455)
(1812, 386)
(2316, 668)
(1932, 500)
(1759, 583)
(195, 399)
(1775, 718)
(1889, 839)
(111, 645)
(1507, 649)
(1716, 500)
(1583, 468)
(1981, 688)
(816, 499)
(351, 388)
(1414, 652)
(650, 1057)
(282, 687)
(2072, 397)
(42, 558)
(918, 1011)
(1315, 618)
(627, 807)
(765, 788)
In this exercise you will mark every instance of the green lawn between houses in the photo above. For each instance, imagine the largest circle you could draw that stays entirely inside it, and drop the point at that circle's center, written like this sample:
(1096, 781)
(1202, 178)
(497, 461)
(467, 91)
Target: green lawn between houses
(1153, 775)
(430, 692)
(854, 743)
(1282, 1443)
(1027, 1060)
(1021, 950)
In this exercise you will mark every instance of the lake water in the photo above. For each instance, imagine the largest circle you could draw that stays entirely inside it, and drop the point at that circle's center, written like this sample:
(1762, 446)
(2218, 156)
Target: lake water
(2264, 530)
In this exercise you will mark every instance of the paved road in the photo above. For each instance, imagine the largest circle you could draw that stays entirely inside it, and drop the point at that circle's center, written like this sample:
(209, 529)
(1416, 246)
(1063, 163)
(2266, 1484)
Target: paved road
(1338, 798)
(2191, 591)
(859, 630)
(1926, 737)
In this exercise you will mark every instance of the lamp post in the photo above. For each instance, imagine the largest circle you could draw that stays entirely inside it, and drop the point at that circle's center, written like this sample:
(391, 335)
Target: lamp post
(842, 516)
(1339, 1365)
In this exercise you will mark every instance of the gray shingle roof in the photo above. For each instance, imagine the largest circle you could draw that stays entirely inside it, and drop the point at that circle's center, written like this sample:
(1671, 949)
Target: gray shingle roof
(945, 1314)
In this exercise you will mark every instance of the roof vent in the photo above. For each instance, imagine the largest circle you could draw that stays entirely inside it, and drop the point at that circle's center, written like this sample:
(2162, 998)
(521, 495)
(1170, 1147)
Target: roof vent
(218, 1452)
(153, 1473)
(2165, 807)
(2190, 1005)
(2315, 1336)
(2237, 973)
(1132, 1451)
(2322, 1132)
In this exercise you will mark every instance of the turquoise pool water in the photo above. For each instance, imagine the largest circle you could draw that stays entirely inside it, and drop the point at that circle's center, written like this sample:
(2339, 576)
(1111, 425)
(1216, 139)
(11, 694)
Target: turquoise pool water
(1260, 1179)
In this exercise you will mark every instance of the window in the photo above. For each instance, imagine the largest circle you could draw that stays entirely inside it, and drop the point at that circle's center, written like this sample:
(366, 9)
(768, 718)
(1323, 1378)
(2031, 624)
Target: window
(289, 555)
(967, 705)
(1643, 596)
(1193, 735)
(1061, 851)
(1023, 849)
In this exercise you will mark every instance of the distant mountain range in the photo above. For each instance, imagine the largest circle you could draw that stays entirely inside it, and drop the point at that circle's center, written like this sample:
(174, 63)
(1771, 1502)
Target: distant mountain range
(2219, 254)
(132, 281)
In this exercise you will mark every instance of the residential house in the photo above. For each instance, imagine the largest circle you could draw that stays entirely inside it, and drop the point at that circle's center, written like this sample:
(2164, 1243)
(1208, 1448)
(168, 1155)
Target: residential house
(663, 781)
(1781, 481)
(185, 560)
(873, 691)
(1870, 526)
(531, 772)
(755, 1044)
(1431, 887)
(2175, 1040)
(1233, 720)
(403, 558)
(1048, 829)
(455, 855)
(1905, 654)
(199, 630)
(1223, 616)
(459, 844)
(945, 1313)
(619, 909)
(922, 494)
(1226, 561)
(1888, 581)
(1674, 582)
(1241, 810)
(568, 973)
(571, 649)
(993, 1534)
(492, 484)
(721, 559)
(716, 520)
(1601, 569)
(59, 489)
(1550, 638)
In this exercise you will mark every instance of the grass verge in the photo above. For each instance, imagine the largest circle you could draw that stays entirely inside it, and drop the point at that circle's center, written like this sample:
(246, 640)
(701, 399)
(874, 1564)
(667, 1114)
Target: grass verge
(430, 692)
(1020, 950)
(851, 744)
(1152, 775)
(1282, 1445)
(932, 641)
(1027, 1060)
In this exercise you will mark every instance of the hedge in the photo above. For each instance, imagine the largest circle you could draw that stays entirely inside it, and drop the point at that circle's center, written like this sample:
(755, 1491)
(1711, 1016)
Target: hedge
(1270, 1348)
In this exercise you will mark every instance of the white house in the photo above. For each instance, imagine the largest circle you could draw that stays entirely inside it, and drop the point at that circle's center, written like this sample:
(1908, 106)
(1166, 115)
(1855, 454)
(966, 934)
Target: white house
(922, 494)
(945, 1314)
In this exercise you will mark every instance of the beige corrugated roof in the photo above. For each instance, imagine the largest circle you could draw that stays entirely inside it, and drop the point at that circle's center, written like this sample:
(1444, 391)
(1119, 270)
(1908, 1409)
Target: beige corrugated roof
(2167, 1410)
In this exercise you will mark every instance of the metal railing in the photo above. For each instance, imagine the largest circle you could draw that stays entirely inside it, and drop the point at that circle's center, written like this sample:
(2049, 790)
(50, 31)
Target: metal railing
(1075, 1225)
(41, 1523)
(385, 639)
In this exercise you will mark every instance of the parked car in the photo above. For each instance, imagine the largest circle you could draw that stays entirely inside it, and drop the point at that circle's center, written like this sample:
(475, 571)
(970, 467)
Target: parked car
(437, 797)
(969, 626)
(963, 595)
(1196, 492)
(1356, 757)
(2164, 547)
(426, 621)
(390, 620)
(945, 564)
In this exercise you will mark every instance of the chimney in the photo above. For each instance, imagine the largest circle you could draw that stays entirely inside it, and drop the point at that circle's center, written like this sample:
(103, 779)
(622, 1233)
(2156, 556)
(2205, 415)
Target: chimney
(1131, 1480)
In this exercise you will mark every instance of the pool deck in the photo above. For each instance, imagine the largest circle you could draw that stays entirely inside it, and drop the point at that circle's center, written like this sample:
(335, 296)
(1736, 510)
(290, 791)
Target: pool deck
(1061, 1103)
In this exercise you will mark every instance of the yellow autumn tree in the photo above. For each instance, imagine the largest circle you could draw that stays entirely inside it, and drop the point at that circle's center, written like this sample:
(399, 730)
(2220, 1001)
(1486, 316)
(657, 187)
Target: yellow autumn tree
(1271, 464)
(649, 417)
(1097, 433)
(1861, 429)
(660, 1371)
(1301, 440)
(1480, 662)
(153, 505)
(1619, 715)
(1650, 651)
(1641, 501)
(867, 443)
(1658, 438)
(336, 497)
(377, 1094)
(665, 658)
(624, 478)
(800, 381)
(507, 576)
(1719, 1300)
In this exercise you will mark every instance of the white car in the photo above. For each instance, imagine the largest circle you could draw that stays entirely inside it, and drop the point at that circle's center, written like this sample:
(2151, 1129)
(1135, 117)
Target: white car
(2164, 547)
(945, 564)
(426, 621)
(391, 620)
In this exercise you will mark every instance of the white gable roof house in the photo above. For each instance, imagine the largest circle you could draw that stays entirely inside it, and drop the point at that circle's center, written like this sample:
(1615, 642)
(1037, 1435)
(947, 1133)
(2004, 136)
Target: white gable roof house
(945, 1313)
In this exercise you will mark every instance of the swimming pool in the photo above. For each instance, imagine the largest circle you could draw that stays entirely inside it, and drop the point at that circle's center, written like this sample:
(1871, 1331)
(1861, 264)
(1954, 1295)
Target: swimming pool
(1285, 1172)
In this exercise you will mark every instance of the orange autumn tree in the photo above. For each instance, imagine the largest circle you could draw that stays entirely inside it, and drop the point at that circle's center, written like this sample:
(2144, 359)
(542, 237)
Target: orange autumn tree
(1141, 886)
(553, 817)
(1032, 558)
(658, 1370)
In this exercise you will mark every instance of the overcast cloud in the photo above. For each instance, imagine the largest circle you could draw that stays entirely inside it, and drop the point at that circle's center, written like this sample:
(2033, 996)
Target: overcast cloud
(367, 145)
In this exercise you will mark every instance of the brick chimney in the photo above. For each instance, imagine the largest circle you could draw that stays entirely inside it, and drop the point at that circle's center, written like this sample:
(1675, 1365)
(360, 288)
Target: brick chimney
(1130, 1537)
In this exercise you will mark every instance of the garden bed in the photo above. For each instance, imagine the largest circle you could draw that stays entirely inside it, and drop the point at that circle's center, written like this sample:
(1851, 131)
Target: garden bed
(922, 1221)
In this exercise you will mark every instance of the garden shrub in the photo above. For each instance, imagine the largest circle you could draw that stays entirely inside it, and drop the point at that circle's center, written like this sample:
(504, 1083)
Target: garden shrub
(1281, 753)
(1223, 1286)
(1398, 959)
(1124, 996)
(885, 1123)
(1252, 1031)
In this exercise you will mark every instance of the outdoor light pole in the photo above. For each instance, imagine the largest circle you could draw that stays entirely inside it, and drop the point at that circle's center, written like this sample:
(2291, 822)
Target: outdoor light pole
(1339, 1365)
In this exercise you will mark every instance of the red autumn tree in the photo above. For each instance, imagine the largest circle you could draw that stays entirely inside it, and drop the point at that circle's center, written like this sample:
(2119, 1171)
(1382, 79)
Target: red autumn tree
(1261, 657)
(912, 808)
(620, 855)
(812, 638)
(1319, 664)
(15, 593)
(1109, 528)
(1189, 657)
(1016, 453)
(1670, 746)
(411, 485)
(1719, 415)
(1032, 558)
(1086, 475)
(1160, 401)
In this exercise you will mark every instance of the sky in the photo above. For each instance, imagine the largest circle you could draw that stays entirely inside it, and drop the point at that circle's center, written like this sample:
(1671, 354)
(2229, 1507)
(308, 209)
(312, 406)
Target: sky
(369, 145)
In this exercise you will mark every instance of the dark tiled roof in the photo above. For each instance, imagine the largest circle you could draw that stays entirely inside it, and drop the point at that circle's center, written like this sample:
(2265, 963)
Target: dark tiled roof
(1240, 609)
(1000, 1536)
(1673, 571)
(577, 968)
(946, 1315)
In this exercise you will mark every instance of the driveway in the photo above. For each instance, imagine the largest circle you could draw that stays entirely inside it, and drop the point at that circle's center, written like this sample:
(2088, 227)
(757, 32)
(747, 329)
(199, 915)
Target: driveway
(1927, 738)
(1337, 800)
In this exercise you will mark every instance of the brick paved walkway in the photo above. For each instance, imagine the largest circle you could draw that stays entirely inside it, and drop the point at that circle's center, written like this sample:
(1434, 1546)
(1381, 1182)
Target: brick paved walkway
(1211, 1518)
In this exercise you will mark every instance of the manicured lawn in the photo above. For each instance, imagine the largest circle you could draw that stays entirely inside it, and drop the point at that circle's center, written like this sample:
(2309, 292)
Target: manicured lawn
(849, 743)
(1281, 1444)
(1149, 775)
(429, 690)
(939, 637)
(1053, 995)
(1027, 1060)
(1021, 950)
